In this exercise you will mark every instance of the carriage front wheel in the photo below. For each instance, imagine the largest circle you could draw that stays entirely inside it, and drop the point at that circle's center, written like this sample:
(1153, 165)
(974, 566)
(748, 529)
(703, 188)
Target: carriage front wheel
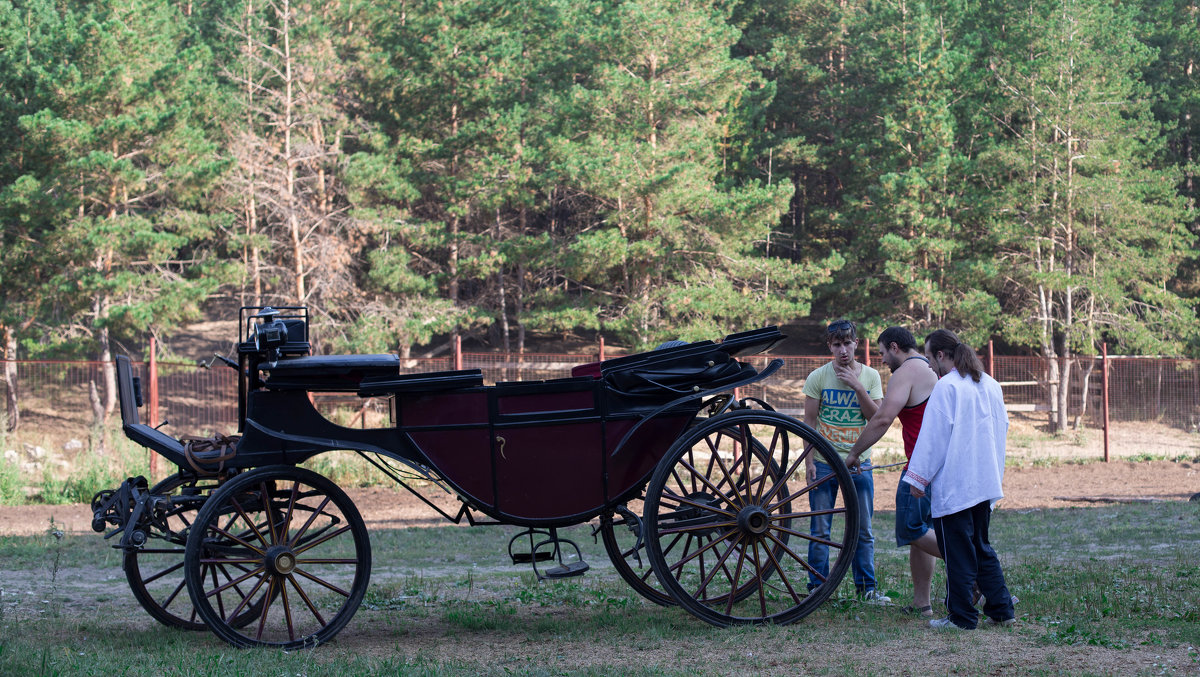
(727, 520)
(287, 541)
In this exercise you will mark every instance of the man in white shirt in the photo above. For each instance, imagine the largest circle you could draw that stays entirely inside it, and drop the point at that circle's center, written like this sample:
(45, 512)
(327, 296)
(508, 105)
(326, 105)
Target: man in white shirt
(959, 455)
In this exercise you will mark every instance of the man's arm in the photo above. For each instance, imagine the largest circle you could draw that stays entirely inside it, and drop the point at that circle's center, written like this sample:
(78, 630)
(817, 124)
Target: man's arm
(898, 390)
(811, 407)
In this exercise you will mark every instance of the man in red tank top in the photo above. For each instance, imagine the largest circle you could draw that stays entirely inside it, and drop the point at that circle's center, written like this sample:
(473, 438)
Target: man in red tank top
(908, 389)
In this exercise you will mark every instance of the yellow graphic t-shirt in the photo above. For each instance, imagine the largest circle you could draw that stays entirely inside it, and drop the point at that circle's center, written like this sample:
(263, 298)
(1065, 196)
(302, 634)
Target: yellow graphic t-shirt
(839, 419)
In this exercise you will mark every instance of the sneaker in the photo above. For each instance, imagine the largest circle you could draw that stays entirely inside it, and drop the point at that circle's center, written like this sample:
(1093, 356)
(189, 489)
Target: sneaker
(988, 620)
(875, 597)
(944, 624)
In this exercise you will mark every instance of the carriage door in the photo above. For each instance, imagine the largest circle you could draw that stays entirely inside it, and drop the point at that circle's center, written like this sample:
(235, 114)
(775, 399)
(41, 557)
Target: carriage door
(548, 449)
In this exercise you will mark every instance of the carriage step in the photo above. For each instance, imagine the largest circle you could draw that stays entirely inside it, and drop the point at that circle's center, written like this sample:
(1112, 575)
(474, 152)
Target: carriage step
(576, 568)
(526, 558)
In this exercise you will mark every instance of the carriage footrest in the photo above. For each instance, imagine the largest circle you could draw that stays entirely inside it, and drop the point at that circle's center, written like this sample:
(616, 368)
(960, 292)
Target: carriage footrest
(576, 568)
(526, 558)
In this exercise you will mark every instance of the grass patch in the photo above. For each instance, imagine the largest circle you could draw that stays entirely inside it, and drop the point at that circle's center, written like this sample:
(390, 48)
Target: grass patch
(1118, 581)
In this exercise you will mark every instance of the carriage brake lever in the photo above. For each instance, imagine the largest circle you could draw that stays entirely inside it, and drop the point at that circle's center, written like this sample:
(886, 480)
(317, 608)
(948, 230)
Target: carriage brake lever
(228, 362)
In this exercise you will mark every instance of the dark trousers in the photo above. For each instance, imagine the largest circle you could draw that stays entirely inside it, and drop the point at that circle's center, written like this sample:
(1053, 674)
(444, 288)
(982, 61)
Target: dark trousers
(963, 539)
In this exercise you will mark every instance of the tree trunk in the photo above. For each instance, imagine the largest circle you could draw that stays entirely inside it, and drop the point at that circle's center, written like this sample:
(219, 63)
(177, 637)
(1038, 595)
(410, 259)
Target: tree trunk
(12, 411)
(1085, 396)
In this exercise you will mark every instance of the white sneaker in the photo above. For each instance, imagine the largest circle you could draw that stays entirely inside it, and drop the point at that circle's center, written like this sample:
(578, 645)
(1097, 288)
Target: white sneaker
(943, 624)
(875, 597)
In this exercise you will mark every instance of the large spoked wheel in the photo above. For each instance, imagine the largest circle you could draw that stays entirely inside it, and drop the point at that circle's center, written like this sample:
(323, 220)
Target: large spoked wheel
(155, 572)
(284, 540)
(725, 513)
(624, 541)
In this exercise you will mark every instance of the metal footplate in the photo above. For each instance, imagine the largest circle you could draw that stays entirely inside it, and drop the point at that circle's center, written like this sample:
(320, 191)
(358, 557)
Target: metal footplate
(550, 547)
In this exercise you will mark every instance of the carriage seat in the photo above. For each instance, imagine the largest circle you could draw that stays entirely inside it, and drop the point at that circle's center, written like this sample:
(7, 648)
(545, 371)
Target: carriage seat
(329, 372)
(434, 381)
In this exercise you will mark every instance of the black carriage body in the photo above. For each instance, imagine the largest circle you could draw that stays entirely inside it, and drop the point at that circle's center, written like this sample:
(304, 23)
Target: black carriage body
(544, 453)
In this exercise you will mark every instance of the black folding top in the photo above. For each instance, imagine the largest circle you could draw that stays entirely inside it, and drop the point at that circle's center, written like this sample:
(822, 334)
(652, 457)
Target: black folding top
(742, 343)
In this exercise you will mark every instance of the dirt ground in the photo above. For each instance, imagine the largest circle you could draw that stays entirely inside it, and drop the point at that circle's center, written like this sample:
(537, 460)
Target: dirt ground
(1050, 472)
(1055, 486)
(1040, 479)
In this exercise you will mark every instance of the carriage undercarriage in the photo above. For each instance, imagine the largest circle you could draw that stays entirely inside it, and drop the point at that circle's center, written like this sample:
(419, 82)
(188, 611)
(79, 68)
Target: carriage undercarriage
(700, 500)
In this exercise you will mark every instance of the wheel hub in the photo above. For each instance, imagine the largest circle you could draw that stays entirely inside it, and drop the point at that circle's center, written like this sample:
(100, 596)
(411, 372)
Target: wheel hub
(280, 560)
(753, 519)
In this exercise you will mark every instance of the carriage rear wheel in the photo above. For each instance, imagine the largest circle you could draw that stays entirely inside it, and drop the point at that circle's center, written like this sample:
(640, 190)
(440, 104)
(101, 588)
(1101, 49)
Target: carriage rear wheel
(723, 525)
(624, 541)
(287, 541)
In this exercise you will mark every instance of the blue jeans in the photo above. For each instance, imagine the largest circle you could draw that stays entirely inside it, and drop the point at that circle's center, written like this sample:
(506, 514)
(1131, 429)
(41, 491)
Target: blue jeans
(823, 498)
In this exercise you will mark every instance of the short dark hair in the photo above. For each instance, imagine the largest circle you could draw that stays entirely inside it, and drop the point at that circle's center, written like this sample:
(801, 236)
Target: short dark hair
(902, 337)
(841, 330)
(965, 360)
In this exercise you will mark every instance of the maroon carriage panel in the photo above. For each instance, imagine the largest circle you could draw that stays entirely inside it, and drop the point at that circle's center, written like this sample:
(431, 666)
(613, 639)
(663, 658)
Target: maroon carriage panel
(549, 471)
(431, 409)
(462, 456)
(631, 464)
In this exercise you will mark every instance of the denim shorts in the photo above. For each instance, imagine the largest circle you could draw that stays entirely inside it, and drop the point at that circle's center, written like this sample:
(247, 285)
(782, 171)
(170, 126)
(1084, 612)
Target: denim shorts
(913, 517)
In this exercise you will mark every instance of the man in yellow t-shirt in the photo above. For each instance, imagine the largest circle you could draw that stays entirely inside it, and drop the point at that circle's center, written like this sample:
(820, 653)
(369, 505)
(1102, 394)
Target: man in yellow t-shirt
(839, 398)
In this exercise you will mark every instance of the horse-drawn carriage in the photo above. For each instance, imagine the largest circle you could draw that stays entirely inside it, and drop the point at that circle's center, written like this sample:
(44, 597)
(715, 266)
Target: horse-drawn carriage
(700, 498)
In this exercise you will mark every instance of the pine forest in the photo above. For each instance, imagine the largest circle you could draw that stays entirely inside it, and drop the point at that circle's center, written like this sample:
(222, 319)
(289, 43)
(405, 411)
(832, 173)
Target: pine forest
(1022, 171)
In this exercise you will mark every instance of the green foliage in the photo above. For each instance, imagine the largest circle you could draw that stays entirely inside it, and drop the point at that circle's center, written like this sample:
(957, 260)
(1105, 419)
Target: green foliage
(643, 168)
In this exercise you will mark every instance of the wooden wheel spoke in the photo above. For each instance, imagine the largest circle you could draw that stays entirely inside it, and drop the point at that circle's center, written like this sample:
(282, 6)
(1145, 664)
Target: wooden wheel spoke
(701, 550)
(323, 539)
(171, 569)
(791, 553)
(708, 483)
(250, 523)
(779, 566)
(287, 609)
(268, 508)
(312, 608)
(327, 560)
(695, 504)
(321, 582)
(174, 593)
(308, 523)
(267, 600)
(806, 489)
(762, 583)
(728, 477)
(807, 513)
(787, 476)
(770, 454)
(293, 495)
(237, 539)
(733, 583)
(698, 527)
(232, 582)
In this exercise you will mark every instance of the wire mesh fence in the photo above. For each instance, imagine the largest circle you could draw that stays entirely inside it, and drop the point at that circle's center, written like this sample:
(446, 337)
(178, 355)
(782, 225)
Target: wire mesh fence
(66, 396)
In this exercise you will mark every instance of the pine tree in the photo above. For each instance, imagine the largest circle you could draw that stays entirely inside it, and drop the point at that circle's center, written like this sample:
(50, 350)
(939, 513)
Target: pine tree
(118, 146)
(1092, 232)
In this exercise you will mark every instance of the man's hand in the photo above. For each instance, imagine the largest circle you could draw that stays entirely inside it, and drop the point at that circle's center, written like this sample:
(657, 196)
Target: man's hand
(848, 374)
(852, 462)
(916, 491)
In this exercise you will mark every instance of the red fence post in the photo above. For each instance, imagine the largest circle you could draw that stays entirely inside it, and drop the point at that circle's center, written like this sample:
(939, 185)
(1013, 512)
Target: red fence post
(601, 348)
(991, 357)
(458, 352)
(1104, 393)
(153, 392)
(866, 353)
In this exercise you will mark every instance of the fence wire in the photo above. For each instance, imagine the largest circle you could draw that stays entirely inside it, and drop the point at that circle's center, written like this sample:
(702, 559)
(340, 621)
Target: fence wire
(64, 396)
